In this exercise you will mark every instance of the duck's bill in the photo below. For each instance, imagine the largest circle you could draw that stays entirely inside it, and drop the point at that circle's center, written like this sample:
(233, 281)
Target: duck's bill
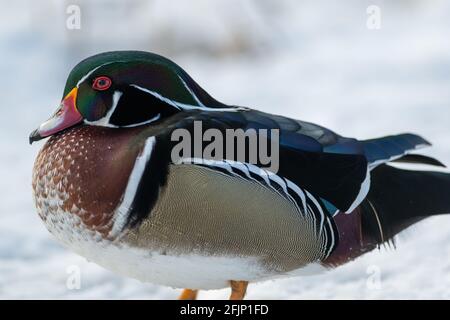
(65, 117)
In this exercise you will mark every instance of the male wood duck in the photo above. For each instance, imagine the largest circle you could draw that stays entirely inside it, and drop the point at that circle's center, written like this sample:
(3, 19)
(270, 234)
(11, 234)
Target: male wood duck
(106, 186)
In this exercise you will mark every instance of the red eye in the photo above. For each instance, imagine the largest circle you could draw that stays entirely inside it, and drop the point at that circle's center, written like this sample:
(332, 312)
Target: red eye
(101, 83)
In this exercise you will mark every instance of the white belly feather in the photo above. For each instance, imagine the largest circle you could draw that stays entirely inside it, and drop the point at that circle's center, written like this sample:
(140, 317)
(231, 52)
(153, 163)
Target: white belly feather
(194, 271)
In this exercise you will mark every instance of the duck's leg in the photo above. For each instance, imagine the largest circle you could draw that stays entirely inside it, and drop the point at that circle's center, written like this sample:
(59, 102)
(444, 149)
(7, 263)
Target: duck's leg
(188, 294)
(238, 289)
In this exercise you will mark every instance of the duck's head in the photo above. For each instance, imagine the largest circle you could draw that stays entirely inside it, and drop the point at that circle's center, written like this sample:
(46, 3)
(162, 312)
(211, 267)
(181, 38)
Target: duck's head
(124, 89)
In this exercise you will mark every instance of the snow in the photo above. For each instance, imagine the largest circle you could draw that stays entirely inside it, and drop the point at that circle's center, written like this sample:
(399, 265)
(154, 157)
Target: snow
(313, 61)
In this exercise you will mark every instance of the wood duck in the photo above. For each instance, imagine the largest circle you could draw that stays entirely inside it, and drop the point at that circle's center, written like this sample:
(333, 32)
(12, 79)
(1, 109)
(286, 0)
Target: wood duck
(106, 186)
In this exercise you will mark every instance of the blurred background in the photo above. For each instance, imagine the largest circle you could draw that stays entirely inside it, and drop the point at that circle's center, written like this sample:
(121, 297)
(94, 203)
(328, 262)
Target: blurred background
(362, 68)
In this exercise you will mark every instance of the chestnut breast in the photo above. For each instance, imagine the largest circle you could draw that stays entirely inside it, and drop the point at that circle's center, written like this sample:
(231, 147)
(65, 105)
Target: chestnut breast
(80, 175)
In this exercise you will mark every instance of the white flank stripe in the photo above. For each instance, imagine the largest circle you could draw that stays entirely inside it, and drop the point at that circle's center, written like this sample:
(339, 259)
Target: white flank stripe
(332, 238)
(322, 216)
(299, 192)
(324, 243)
(243, 168)
(122, 211)
(314, 218)
(259, 171)
(207, 162)
(365, 186)
(280, 181)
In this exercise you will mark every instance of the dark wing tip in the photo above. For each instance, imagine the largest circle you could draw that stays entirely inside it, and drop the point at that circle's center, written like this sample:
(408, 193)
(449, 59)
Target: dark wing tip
(416, 139)
(420, 159)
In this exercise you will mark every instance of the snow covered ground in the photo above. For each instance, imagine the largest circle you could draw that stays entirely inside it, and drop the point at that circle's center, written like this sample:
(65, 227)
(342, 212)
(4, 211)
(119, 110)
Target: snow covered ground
(309, 60)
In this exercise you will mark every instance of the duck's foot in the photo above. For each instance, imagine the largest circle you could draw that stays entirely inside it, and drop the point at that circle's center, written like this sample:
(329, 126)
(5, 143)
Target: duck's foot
(238, 289)
(188, 294)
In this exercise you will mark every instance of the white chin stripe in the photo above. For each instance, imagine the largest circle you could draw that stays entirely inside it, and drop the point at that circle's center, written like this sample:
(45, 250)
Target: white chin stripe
(105, 121)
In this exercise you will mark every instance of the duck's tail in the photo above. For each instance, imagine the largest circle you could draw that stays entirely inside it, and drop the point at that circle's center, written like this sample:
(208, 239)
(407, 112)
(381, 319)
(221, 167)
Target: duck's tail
(398, 198)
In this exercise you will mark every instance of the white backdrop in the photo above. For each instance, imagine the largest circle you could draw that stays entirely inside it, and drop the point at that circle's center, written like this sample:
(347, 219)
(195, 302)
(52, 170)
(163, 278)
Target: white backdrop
(309, 60)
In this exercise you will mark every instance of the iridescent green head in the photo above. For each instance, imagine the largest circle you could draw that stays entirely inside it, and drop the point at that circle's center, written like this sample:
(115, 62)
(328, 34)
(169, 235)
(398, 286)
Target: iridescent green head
(125, 89)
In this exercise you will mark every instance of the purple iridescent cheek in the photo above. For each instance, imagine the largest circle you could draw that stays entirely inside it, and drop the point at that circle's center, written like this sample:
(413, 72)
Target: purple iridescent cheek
(91, 107)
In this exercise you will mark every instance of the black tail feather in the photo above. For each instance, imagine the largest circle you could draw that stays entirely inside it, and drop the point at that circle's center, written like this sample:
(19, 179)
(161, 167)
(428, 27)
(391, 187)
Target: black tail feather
(399, 198)
(420, 159)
